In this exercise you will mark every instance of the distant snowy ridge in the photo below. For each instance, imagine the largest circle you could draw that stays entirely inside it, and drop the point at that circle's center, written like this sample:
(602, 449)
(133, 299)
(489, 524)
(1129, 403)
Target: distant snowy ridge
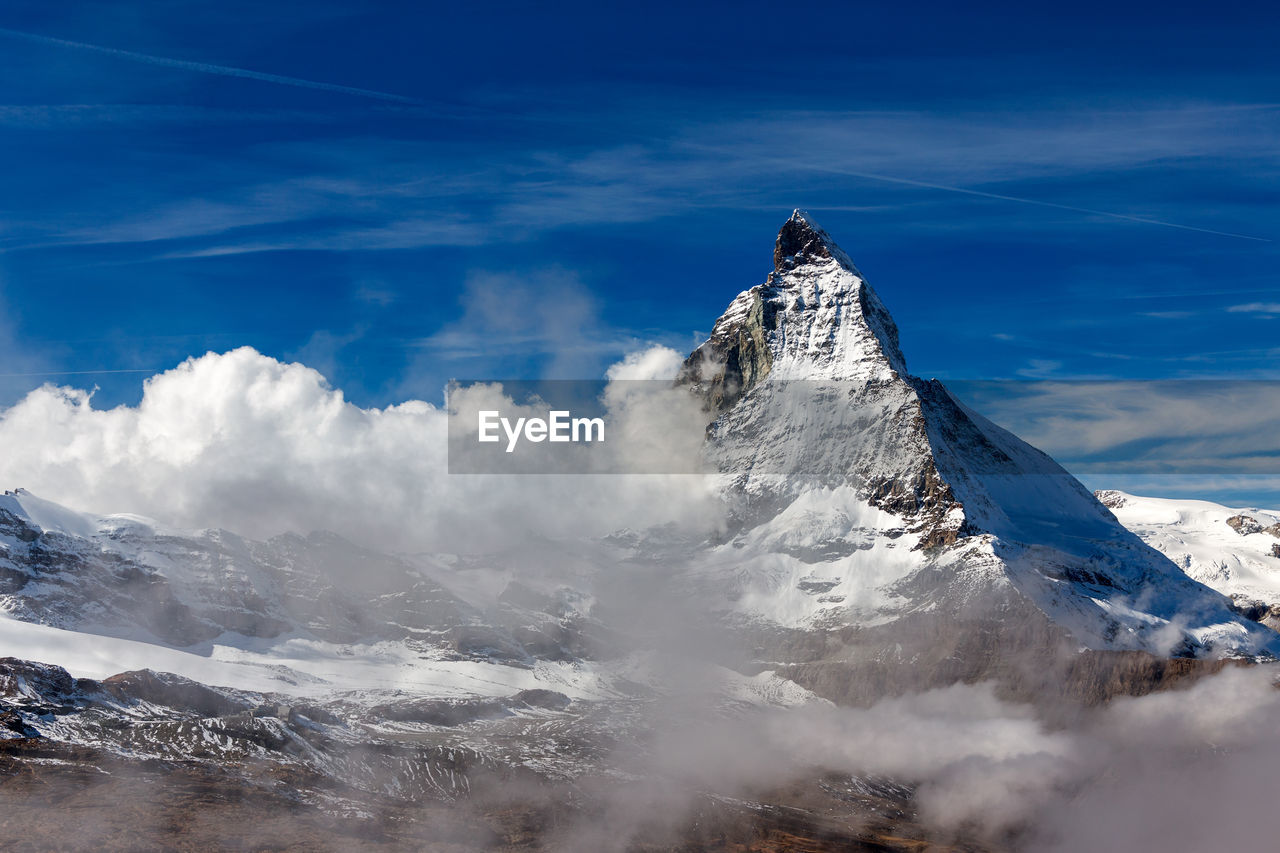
(1235, 551)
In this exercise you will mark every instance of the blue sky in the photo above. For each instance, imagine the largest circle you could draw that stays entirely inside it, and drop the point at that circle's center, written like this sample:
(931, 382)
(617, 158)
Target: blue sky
(398, 194)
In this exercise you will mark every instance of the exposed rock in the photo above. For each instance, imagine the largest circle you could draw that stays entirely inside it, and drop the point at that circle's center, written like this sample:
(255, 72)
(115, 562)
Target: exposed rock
(487, 642)
(18, 528)
(187, 589)
(979, 551)
(1110, 498)
(548, 700)
(172, 691)
(800, 242)
(456, 712)
(817, 586)
(1244, 524)
(1247, 525)
(733, 359)
(45, 686)
(1264, 612)
(12, 722)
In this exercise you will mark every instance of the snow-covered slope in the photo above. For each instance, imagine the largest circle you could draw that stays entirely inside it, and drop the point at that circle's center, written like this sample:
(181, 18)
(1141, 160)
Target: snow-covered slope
(864, 494)
(1235, 551)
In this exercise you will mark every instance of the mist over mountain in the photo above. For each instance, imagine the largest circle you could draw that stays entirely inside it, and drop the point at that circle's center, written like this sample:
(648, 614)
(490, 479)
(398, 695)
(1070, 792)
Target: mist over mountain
(880, 621)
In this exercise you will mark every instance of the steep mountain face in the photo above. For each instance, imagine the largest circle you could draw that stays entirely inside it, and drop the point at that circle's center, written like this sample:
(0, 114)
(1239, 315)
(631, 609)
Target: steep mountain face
(865, 496)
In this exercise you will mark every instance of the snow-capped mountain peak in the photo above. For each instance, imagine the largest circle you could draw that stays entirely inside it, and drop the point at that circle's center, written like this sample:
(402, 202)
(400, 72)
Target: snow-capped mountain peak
(813, 407)
(801, 240)
(814, 318)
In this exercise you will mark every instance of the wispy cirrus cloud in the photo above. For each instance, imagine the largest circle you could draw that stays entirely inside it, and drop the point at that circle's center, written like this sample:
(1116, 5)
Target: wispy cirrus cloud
(1169, 315)
(207, 68)
(923, 170)
(1166, 427)
(1265, 309)
(69, 116)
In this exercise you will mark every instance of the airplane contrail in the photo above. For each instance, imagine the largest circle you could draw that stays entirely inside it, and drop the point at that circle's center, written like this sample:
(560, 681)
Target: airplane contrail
(873, 176)
(208, 68)
(1020, 200)
(74, 373)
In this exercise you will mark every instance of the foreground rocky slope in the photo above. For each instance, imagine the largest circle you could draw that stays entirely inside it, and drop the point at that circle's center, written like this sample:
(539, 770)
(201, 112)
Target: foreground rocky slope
(149, 761)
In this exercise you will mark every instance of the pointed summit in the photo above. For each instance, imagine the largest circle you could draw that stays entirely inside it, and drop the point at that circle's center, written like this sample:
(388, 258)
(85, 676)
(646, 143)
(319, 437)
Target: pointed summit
(813, 318)
(803, 241)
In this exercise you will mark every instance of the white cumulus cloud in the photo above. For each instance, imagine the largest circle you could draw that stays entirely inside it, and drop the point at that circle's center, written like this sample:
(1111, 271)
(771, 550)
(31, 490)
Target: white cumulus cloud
(243, 441)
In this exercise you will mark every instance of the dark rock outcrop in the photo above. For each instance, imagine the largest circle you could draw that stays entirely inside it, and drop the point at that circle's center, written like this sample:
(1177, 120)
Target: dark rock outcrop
(172, 691)
(1244, 524)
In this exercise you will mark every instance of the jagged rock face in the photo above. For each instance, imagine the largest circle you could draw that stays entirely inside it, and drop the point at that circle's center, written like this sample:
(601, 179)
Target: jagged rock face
(188, 589)
(79, 585)
(149, 715)
(813, 318)
(734, 359)
(1244, 524)
(94, 765)
(800, 242)
(827, 344)
(808, 385)
(1110, 498)
(838, 461)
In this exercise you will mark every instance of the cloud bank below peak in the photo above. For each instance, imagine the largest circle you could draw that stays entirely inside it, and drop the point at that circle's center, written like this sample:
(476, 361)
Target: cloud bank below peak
(242, 441)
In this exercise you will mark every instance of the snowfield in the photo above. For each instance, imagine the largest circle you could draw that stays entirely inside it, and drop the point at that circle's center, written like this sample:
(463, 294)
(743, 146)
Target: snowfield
(1196, 536)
